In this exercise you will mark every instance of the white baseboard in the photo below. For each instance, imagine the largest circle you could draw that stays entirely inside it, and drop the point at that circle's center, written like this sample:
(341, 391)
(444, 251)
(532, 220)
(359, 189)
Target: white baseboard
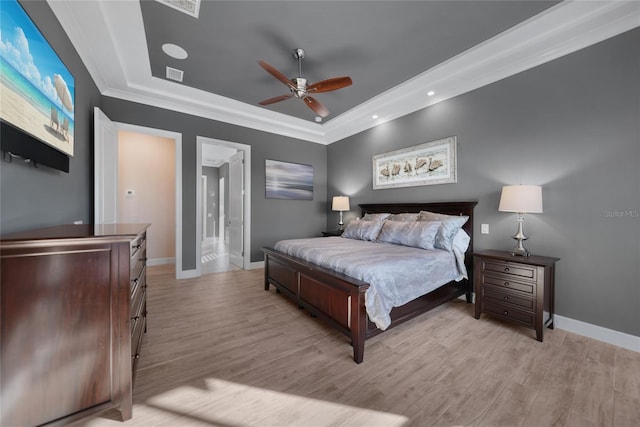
(161, 261)
(620, 339)
(257, 264)
(187, 274)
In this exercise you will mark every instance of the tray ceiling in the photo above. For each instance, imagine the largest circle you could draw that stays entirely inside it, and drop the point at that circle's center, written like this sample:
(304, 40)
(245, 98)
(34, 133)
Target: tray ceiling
(395, 52)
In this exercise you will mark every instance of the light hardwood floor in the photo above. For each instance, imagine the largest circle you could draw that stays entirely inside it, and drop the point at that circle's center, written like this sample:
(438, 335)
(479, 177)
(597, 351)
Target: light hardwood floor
(220, 351)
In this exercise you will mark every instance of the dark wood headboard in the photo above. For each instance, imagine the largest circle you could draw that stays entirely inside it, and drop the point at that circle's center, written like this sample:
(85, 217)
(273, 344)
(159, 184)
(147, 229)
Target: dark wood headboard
(448, 208)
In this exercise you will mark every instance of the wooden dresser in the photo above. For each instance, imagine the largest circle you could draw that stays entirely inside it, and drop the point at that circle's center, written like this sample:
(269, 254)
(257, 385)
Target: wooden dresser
(73, 303)
(515, 288)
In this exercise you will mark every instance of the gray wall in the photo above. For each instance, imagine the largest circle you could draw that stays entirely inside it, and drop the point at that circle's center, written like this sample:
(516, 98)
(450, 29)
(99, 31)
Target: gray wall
(571, 126)
(40, 197)
(270, 219)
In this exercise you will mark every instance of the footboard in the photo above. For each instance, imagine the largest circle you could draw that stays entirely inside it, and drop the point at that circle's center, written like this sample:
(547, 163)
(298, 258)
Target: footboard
(333, 297)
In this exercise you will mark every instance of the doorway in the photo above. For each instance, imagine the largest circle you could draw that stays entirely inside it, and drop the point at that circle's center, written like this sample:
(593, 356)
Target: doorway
(106, 181)
(224, 208)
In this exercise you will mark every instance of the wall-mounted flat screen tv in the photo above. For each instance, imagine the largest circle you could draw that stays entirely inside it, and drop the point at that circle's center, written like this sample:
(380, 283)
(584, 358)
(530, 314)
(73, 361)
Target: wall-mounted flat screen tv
(37, 90)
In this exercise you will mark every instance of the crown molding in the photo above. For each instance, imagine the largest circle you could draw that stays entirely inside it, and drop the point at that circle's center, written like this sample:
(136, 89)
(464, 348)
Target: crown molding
(109, 37)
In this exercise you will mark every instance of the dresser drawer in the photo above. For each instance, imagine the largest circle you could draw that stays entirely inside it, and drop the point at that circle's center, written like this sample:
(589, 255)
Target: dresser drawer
(500, 295)
(138, 260)
(136, 344)
(509, 313)
(137, 328)
(137, 308)
(506, 281)
(511, 269)
(138, 243)
(138, 283)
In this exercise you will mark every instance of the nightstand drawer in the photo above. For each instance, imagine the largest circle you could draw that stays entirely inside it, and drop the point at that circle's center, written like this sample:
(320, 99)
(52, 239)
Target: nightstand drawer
(511, 269)
(500, 310)
(499, 295)
(505, 281)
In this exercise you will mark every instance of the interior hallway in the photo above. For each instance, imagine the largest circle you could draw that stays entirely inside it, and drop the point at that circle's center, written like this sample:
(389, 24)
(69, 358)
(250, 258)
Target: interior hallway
(215, 256)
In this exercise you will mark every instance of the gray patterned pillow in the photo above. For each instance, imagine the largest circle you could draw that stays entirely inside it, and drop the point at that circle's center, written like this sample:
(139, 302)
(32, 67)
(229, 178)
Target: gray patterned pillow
(447, 231)
(407, 217)
(375, 216)
(418, 234)
(363, 230)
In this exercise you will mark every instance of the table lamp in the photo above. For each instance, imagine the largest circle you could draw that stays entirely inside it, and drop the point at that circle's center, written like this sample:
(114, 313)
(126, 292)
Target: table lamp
(340, 203)
(521, 199)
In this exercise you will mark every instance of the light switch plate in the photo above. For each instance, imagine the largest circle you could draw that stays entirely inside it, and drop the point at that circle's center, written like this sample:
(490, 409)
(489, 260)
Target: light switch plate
(484, 228)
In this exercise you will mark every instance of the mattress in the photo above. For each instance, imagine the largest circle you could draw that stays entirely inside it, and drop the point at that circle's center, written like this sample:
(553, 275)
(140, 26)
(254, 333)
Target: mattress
(396, 274)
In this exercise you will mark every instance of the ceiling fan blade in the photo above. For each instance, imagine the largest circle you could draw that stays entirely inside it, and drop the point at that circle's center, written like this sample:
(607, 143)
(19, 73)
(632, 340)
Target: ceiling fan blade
(275, 99)
(277, 74)
(316, 106)
(330, 84)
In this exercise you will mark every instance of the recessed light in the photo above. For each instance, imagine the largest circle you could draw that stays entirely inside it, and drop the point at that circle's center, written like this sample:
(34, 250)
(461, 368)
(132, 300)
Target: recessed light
(174, 51)
(431, 93)
(375, 116)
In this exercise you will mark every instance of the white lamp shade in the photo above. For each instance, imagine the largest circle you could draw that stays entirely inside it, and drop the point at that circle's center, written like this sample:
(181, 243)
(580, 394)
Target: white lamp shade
(340, 203)
(521, 199)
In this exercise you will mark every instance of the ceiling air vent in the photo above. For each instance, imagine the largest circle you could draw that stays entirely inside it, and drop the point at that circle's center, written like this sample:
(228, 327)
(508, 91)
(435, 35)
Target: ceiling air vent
(190, 7)
(175, 74)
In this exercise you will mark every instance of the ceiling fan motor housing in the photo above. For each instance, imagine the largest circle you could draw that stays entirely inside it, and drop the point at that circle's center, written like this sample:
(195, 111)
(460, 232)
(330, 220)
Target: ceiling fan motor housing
(300, 90)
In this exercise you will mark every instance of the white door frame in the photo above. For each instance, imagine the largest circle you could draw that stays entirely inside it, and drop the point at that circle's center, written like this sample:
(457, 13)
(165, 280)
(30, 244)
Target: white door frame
(200, 140)
(177, 137)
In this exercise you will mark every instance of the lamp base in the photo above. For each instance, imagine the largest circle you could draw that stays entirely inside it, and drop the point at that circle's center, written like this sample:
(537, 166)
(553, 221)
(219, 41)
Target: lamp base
(520, 250)
(341, 223)
(517, 251)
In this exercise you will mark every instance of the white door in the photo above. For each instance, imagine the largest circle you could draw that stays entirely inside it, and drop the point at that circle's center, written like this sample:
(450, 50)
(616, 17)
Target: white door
(204, 207)
(221, 218)
(105, 169)
(236, 208)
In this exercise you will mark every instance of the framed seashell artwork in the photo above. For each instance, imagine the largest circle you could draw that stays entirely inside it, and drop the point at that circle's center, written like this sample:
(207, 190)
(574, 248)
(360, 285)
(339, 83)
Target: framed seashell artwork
(425, 164)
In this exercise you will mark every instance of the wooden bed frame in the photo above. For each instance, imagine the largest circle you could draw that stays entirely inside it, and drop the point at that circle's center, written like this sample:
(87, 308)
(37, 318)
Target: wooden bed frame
(339, 300)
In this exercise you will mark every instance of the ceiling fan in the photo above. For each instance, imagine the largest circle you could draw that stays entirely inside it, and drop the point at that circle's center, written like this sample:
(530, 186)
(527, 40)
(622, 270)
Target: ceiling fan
(301, 89)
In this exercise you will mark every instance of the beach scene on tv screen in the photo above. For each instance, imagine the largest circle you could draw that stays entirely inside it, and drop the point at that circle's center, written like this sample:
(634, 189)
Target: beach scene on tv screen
(37, 90)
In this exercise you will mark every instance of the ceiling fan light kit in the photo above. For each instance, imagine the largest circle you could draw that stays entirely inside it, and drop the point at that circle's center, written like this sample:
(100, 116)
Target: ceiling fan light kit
(300, 87)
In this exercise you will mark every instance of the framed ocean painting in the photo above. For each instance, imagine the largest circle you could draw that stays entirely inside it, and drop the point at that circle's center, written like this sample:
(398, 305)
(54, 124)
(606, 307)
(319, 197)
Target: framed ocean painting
(286, 180)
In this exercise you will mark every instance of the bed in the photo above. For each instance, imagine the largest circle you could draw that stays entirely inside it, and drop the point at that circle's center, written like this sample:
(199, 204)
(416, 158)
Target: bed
(339, 299)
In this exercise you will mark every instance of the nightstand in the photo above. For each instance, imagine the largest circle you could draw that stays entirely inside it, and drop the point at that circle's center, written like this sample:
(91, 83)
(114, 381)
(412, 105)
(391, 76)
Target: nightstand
(515, 288)
(332, 233)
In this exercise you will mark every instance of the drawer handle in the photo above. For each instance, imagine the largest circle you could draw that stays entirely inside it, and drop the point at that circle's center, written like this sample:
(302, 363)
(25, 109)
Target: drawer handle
(506, 269)
(135, 318)
(137, 246)
(506, 284)
(135, 281)
(506, 298)
(506, 313)
(136, 356)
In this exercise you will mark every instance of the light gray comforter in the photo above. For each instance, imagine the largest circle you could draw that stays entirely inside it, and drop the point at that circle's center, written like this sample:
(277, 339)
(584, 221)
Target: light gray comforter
(396, 274)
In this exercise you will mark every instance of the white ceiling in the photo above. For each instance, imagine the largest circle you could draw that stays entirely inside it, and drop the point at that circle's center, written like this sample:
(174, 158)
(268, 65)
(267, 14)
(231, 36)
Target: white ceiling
(118, 41)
